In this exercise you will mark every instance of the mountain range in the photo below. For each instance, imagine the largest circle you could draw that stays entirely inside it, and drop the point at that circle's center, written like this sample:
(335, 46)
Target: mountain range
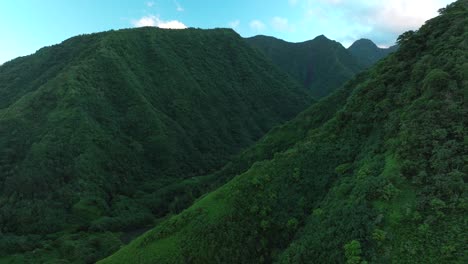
(198, 146)
(374, 173)
(321, 65)
(105, 132)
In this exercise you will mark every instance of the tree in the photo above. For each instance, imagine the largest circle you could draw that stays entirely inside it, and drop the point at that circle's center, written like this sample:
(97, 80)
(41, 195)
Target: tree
(353, 253)
(403, 38)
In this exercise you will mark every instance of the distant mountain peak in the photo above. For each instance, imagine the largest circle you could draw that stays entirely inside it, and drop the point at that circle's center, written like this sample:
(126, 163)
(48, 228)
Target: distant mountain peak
(367, 52)
(364, 42)
(321, 65)
(322, 37)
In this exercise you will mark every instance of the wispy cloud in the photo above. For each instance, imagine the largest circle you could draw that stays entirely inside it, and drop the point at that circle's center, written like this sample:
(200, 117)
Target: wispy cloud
(401, 15)
(155, 21)
(179, 7)
(381, 21)
(334, 2)
(281, 24)
(293, 2)
(234, 24)
(257, 25)
(150, 4)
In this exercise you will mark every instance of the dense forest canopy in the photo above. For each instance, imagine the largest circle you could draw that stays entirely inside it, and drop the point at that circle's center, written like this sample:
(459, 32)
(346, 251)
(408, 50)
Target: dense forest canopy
(198, 146)
(106, 132)
(378, 176)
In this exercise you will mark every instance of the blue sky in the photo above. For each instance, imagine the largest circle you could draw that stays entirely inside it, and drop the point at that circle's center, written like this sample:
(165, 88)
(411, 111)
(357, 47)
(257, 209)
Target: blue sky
(27, 25)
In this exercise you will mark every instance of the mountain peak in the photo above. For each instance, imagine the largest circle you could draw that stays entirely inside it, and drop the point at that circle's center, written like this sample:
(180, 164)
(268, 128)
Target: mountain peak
(322, 38)
(367, 52)
(321, 65)
(364, 42)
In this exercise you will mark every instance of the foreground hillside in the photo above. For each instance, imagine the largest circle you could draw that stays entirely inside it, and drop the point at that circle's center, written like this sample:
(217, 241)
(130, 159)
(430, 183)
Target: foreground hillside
(103, 132)
(377, 179)
(320, 65)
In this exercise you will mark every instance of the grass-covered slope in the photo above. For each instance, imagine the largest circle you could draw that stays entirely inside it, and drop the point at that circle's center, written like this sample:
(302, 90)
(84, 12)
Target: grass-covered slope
(367, 53)
(97, 132)
(320, 65)
(380, 181)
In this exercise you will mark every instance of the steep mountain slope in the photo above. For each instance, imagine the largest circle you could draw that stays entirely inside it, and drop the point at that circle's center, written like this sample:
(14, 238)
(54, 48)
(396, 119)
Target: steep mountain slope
(382, 180)
(320, 65)
(97, 133)
(367, 53)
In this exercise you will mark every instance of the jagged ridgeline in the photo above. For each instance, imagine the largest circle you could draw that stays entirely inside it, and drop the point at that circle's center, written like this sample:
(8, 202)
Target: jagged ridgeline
(321, 65)
(378, 179)
(92, 129)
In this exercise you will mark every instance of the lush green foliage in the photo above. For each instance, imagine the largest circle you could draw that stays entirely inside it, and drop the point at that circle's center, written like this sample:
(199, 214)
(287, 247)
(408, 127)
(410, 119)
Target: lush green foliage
(379, 178)
(106, 132)
(367, 53)
(320, 65)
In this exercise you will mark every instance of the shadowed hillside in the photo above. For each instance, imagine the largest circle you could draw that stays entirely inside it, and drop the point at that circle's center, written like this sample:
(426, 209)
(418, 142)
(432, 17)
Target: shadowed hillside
(320, 65)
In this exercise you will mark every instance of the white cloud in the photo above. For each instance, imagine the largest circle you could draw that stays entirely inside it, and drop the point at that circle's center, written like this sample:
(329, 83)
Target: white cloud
(394, 16)
(234, 24)
(257, 25)
(179, 8)
(293, 2)
(381, 21)
(147, 21)
(150, 4)
(281, 24)
(401, 15)
(173, 24)
(334, 2)
(155, 21)
(384, 21)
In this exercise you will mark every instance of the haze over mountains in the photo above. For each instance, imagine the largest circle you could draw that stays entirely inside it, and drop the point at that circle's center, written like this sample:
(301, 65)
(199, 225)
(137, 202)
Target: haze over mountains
(236, 150)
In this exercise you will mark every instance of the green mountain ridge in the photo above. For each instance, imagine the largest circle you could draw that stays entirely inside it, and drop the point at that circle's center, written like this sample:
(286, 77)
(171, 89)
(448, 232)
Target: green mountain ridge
(367, 53)
(320, 65)
(379, 177)
(105, 132)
